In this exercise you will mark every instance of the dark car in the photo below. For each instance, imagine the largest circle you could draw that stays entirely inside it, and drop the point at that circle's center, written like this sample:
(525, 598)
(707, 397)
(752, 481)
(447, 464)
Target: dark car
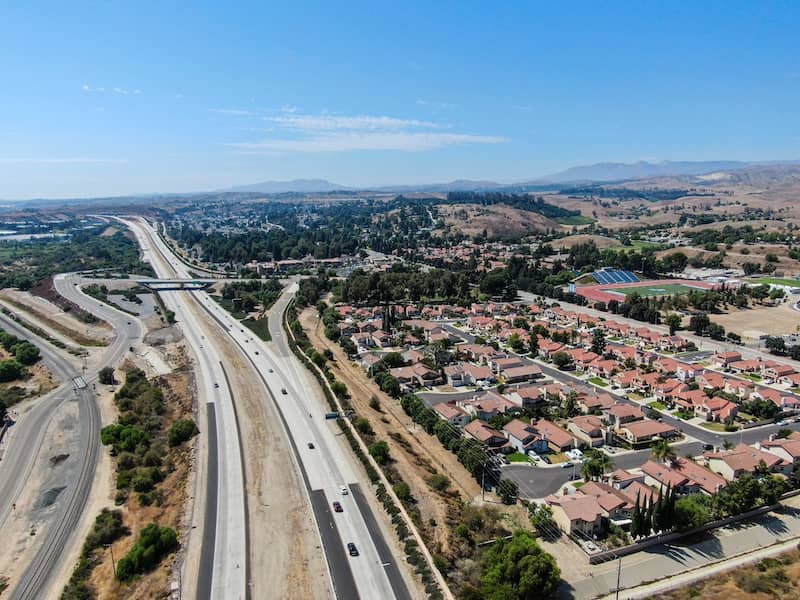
(283, 391)
(337, 506)
(351, 548)
(708, 447)
(310, 445)
(216, 385)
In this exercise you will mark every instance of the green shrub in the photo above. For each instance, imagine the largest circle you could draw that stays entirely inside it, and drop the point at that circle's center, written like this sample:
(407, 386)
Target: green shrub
(182, 431)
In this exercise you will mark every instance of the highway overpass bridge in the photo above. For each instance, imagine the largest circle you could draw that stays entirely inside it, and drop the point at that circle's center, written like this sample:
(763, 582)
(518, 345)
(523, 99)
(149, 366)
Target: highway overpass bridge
(162, 285)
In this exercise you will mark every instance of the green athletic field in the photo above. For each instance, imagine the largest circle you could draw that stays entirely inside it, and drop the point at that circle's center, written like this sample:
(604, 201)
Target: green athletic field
(775, 281)
(654, 289)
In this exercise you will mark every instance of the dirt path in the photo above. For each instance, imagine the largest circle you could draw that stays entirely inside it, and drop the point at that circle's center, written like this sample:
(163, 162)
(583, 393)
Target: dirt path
(417, 455)
(285, 558)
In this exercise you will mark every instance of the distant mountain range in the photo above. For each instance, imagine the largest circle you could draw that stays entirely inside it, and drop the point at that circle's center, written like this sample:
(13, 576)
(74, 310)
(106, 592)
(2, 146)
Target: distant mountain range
(295, 185)
(596, 173)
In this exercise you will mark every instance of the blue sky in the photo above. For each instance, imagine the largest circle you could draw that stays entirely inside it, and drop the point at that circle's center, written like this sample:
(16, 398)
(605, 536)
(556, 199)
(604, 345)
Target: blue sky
(109, 98)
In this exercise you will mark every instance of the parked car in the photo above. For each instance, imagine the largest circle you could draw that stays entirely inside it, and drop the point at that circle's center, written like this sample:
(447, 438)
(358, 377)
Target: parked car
(566, 465)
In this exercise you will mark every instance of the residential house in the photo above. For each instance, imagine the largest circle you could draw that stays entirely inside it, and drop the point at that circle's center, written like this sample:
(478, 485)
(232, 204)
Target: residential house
(523, 437)
(621, 413)
(646, 430)
(416, 375)
(743, 459)
(786, 448)
(488, 436)
(461, 374)
(525, 396)
(721, 360)
(684, 476)
(590, 403)
(588, 429)
(487, 405)
(452, 414)
(521, 374)
(577, 514)
(558, 439)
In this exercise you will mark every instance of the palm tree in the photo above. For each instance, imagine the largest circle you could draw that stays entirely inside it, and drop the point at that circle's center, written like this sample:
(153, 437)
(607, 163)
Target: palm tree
(595, 465)
(727, 444)
(661, 450)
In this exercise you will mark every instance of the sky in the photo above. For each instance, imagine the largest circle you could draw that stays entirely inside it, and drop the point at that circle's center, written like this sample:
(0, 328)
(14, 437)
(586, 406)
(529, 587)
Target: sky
(114, 98)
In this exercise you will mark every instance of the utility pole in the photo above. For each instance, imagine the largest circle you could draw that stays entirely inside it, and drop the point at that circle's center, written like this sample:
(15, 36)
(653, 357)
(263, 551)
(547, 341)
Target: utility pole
(113, 562)
(483, 481)
(619, 574)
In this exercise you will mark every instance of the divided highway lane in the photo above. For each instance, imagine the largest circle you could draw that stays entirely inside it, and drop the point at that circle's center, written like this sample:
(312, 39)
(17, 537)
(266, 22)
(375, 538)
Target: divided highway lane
(223, 572)
(26, 440)
(327, 466)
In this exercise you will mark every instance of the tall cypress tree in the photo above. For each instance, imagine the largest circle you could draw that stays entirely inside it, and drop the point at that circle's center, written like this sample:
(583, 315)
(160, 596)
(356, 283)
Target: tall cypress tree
(658, 508)
(636, 521)
(648, 517)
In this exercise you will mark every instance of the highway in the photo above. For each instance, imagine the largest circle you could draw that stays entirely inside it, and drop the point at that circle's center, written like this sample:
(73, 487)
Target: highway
(223, 562)
(326, 467)
(26, 437)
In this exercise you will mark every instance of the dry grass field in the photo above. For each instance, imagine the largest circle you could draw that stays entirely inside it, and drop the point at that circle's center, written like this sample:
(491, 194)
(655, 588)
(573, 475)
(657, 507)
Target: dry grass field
(497, 220)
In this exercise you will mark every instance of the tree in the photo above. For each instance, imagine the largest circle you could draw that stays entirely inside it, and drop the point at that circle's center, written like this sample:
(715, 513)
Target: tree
(691, 511)
(26, 353)
(542, 520)
(699, 324)
(363, 426)
(402, 491)
(562, 360)
(380, 452)
(673, 321)
(636, 519)
(518, 569)
(181, 431)
(663, 451)
(516, 342)
(10, 370)
(595, 465)
(106, 376)
(598, 341)
(508, 490)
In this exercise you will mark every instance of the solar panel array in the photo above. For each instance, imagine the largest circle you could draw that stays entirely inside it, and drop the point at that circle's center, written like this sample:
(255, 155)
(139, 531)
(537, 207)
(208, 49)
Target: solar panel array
(614, 276)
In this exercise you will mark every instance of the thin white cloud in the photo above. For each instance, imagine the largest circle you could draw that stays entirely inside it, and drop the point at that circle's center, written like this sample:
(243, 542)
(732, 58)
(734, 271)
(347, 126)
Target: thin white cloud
(61, 160)
(117, 90)
(327, 122)
(352, 141)
(236, 112)
(434, 104)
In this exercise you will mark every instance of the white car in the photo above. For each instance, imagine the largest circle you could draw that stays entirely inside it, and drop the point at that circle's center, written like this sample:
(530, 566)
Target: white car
(344, 491)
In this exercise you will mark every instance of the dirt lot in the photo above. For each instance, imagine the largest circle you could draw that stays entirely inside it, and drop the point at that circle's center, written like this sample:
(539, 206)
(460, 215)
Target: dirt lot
(50, 317)
(417, 455)
(753, 322)
(497, 220)
(600, 241)
(771, 578)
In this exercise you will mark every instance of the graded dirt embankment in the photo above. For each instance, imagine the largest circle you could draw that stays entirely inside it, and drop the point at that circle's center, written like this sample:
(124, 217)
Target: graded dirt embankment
(417, 455)
(61, 325)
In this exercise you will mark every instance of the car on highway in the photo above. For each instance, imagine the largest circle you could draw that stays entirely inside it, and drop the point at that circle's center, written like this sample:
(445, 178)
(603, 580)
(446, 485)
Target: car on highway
(283, 391)
(216, 385)
(271, 371)
(310, 445)
(351, 548)
(256, 352)
(343, 489)
(337, 506)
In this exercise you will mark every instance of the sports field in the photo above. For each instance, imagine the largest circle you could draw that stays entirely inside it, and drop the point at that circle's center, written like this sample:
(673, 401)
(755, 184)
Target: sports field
(775, 281)
(653, 289)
